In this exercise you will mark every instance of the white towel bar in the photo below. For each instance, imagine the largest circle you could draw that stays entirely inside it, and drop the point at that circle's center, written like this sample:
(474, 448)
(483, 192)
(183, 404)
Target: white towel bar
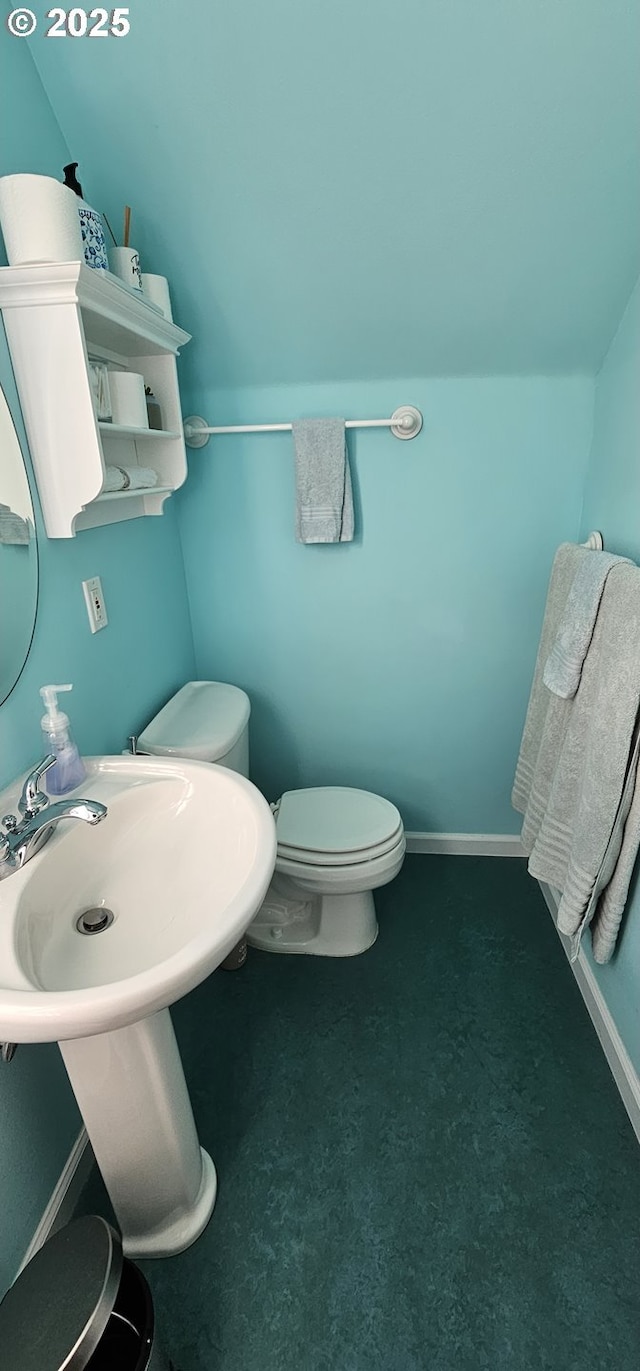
(405, 422)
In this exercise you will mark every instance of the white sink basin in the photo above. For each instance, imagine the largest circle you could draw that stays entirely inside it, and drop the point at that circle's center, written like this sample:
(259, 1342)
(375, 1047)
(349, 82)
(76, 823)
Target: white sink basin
(182, 862)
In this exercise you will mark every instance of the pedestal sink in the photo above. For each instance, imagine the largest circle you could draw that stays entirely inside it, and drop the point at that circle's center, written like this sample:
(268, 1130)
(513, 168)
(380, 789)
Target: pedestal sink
(169, 881)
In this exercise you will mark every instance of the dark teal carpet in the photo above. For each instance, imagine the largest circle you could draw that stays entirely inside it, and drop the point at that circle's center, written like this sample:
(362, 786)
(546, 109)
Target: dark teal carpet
(424, 1164)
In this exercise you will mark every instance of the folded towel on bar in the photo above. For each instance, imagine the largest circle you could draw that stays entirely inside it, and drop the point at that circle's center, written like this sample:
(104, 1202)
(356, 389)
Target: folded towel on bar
(324, 499)
(567, 561)
(564, 664)
(13, 528)
(128, 478)
(576, 780)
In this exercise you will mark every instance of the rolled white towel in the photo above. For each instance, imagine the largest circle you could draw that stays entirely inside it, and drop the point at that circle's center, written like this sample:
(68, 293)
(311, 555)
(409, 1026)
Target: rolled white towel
(13, 528)
(128, 478)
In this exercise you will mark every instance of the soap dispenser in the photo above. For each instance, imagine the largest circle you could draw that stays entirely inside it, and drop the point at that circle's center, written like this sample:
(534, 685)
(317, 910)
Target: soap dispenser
(69, 769)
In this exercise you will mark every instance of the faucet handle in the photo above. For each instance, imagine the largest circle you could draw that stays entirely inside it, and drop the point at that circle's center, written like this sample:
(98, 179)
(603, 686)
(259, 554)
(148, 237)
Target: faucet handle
(32, 799)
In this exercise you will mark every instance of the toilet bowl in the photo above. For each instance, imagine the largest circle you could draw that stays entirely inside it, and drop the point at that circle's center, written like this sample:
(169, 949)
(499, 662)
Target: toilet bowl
(336, 845)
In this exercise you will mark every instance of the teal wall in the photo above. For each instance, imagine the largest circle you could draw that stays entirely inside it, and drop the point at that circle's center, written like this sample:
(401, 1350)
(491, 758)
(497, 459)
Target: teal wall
(120, 677)
(401, 662)
(377, 188)
(612, 504)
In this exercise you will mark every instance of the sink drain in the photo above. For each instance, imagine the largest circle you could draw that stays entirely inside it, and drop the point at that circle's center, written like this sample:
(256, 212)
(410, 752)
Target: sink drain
(94, 920)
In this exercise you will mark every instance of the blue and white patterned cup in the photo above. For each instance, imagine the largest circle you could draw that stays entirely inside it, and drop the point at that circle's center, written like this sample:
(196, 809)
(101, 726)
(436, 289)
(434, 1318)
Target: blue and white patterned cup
(93, 240)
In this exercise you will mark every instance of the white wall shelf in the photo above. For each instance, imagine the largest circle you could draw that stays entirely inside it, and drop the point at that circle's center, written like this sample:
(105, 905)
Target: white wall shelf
(122, 431)
(145, 493)
(56, 315)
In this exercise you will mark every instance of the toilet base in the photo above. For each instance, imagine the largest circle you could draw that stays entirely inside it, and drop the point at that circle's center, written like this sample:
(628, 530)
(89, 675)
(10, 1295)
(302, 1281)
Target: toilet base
(321, 926)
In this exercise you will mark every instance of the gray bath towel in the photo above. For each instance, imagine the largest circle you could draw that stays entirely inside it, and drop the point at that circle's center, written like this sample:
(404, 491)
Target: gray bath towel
(546, 713)
(324, 499)
(564, 664)
(583, 778)
(609, 897)
(611, 904)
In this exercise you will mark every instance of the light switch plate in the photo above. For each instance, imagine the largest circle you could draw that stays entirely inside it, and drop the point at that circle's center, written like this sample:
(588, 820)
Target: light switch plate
(94, 600)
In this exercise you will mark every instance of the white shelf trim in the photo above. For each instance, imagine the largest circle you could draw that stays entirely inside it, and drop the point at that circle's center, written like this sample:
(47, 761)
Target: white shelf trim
(99, 293)
(130, 494)
(123, 431)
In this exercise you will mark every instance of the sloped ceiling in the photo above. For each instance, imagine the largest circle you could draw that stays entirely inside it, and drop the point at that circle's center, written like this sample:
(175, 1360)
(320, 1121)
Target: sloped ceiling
(370, 188)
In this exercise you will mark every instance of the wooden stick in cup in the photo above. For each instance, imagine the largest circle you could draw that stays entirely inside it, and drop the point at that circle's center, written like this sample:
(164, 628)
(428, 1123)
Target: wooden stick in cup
(127, 225)
(115, 241)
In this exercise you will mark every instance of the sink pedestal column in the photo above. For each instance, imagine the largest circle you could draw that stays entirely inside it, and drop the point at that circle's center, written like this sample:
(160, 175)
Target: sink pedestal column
(133, 1097)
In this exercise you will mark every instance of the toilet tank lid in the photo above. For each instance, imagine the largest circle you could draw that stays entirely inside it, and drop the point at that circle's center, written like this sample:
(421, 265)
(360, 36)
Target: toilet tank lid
(203, 722)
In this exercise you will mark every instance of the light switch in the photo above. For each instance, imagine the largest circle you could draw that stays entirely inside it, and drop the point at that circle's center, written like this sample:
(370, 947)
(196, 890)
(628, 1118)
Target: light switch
(94, 600)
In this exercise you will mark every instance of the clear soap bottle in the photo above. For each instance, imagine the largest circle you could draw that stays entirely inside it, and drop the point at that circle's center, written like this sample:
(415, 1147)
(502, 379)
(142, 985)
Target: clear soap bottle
(69, 769)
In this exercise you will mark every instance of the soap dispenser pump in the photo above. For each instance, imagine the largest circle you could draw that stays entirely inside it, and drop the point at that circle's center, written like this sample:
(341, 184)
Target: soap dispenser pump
(69, 769)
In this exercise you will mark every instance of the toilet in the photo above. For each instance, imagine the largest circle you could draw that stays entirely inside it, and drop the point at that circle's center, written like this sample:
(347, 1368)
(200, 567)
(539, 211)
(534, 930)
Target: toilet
(336, 845)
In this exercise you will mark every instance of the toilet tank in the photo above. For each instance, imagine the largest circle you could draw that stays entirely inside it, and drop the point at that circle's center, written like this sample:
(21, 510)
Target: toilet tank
(207, 721)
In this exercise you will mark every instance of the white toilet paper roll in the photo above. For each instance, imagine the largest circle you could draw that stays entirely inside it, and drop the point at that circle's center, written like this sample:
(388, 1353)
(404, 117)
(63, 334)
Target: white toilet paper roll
(128, 401)
(156, 289)
(40, 221)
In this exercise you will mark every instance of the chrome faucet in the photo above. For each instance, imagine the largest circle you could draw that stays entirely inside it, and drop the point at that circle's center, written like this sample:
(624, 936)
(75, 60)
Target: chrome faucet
(25, 836)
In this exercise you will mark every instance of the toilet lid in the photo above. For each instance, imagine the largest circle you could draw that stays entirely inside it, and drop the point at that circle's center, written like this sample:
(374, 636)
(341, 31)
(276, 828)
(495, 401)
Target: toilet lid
(335, 825)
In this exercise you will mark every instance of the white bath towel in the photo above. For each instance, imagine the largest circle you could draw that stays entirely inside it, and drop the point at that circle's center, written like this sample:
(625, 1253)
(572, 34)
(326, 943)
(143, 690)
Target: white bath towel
(13, 528)
(128, 478)
(564, 664)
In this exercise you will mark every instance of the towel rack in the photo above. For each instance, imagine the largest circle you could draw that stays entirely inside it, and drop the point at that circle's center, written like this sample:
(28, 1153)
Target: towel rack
(595, 542)
(405, 422)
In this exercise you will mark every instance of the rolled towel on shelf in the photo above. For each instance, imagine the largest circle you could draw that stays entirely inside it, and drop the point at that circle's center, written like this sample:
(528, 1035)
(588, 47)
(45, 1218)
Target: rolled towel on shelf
(13, 528)
(128, 478)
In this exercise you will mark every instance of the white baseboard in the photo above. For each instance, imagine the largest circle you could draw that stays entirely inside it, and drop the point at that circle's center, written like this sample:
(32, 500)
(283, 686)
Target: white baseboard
(61, 1206)
(466, 844)
(622, 1068)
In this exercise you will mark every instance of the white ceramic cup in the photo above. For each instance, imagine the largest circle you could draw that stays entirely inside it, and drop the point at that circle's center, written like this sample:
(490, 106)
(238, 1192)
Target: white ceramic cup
(40, 222)
(128, 400)
(125, 263)
(156, 289)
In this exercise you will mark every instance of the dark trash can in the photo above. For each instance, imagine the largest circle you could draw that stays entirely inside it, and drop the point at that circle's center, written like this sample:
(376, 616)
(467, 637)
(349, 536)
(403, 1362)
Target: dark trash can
(80, 1305)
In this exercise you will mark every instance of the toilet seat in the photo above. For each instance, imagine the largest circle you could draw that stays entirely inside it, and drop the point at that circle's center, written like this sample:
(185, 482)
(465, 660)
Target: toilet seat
(335, 826)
